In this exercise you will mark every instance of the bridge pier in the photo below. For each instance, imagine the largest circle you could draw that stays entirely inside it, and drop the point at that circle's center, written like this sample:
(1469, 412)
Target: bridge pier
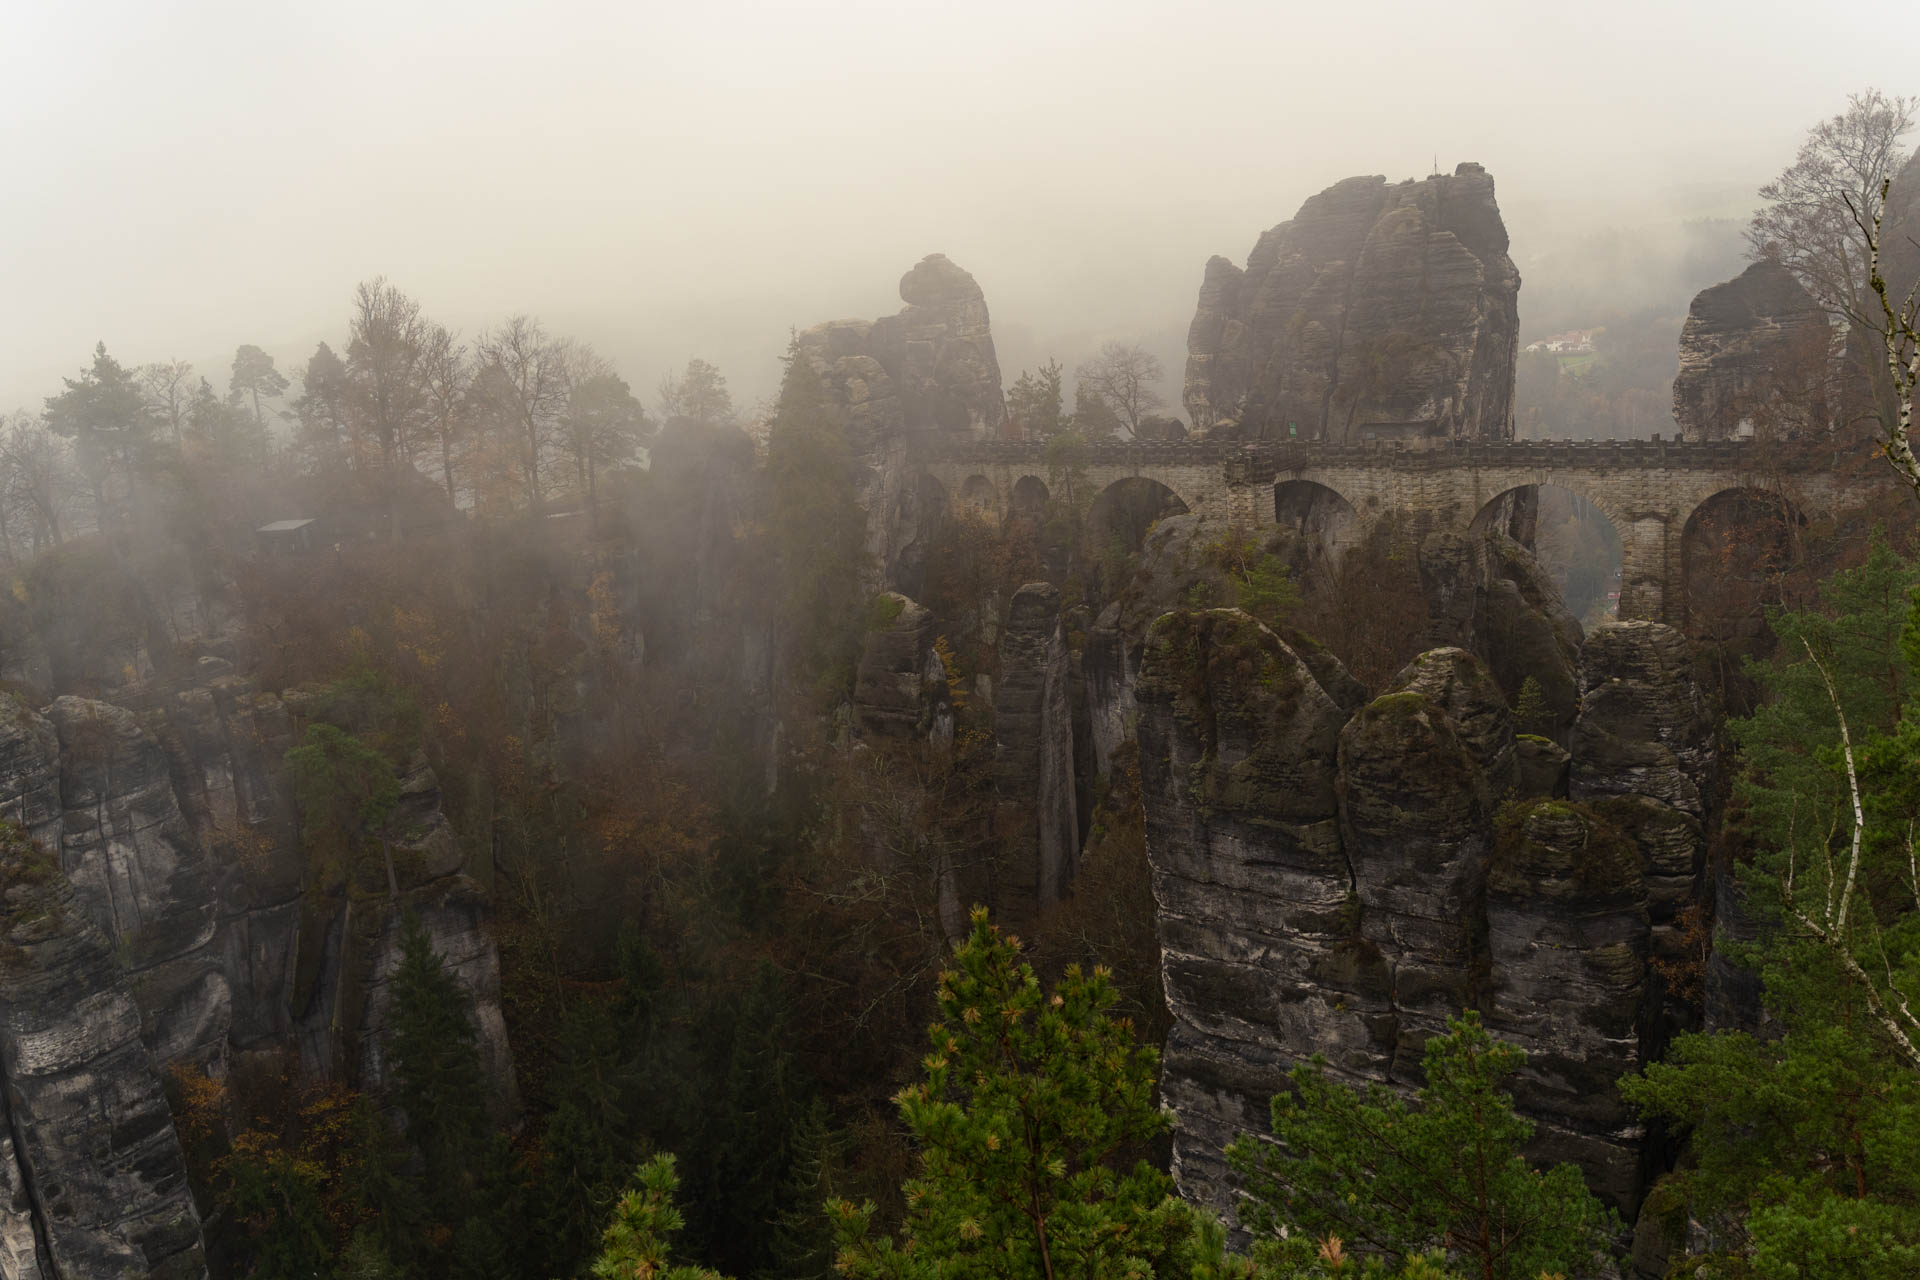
(1249, 478)
(1650, 568)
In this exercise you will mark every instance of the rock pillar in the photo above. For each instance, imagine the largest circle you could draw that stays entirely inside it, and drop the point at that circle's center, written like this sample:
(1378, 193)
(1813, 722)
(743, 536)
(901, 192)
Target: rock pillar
(1036, 817)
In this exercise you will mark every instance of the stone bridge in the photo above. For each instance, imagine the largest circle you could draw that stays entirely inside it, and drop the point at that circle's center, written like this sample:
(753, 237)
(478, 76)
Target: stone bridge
(1651, 490)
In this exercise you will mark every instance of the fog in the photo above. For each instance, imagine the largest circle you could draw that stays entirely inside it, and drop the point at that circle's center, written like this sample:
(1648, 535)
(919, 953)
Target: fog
(696, 179)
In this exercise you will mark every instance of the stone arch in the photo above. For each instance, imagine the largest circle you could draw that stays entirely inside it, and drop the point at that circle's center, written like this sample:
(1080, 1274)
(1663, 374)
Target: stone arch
(1323, 517)
(1578, 539)
(1123, 512)
(1030, 499)
(979, 496)
(1737, 545)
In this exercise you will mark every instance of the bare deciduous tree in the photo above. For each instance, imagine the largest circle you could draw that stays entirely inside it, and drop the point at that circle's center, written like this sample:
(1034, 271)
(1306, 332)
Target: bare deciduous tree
(37, 482)
(446, 376)
(1123, 377)
(1896, 322)
(385, 354)
(526, 386)
(168, 386)
(1817, 211)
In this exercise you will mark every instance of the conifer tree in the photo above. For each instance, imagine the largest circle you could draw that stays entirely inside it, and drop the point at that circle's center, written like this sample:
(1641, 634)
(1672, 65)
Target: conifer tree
(1029, 1103)
(589, 1141)
(1531, 713)
(802, 1245)
(1805, 1142)
(745, 1145)
(635, 1246)
(437, 1076)
(1372, 1173)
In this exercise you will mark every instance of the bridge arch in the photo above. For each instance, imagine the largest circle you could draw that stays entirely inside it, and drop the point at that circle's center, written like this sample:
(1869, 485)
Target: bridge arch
(1577, 540)
(1320, 514)
(1030, 499)
(979, 496)
(1122, 512)
(1737, 547)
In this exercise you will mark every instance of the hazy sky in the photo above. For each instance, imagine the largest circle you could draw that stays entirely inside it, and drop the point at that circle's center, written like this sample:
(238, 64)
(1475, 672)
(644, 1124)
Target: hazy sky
(675, 179)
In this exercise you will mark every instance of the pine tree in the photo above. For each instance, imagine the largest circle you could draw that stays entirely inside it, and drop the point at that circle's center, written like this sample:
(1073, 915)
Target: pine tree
(635, 1245)
(1029, 1101)
(1035, 402)
(254, 378)
(104, 413)
(1401, 1180)
(495, 1241)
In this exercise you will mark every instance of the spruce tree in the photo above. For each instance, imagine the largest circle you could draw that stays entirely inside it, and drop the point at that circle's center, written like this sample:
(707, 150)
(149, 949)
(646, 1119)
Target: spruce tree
(437, 1078)
(1531, 712)
(745, 1146)
(802, 1243)
(589, 1144)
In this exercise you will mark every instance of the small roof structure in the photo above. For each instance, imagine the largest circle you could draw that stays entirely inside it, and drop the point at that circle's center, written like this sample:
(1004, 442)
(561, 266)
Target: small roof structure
(285, 526)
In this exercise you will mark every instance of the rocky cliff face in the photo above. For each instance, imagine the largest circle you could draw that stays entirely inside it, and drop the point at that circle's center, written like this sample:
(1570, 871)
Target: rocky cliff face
(924, 374)
(1343, 882)
(171, 922)
(95, 1183)
(1753, 356)
(1486, 594)
(1035, 811)
(1376, 311)
(1645, 750)
(901, 686)
(1257, 911)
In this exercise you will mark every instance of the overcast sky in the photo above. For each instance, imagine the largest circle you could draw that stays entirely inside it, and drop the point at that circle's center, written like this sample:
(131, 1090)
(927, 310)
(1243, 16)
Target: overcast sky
(670, 180)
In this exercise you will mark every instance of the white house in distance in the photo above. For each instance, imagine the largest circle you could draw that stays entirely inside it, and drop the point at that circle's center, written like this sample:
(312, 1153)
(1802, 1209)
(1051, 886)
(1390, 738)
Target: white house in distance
(1574, 342)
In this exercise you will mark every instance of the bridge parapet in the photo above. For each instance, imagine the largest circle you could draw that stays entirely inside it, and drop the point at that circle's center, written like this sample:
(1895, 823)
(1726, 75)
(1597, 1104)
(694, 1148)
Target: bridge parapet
(1276, 457)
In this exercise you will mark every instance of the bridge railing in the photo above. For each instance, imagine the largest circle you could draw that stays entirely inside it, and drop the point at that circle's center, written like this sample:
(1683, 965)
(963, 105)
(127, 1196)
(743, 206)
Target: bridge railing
(1284, 456)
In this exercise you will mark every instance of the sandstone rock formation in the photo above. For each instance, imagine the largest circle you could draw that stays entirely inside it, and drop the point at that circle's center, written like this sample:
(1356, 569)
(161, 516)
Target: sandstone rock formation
(96, 1184)
(172, 922)
(1485, 593)
(140, 874)
(1416, 820)
(1645, 749)
(1376, 311)
(901, 685)
(904, 380)
(1348, 901)
(1256, 904)
(1035, 814)
(1753, 357)
(1176, 569)
(1567, 936)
